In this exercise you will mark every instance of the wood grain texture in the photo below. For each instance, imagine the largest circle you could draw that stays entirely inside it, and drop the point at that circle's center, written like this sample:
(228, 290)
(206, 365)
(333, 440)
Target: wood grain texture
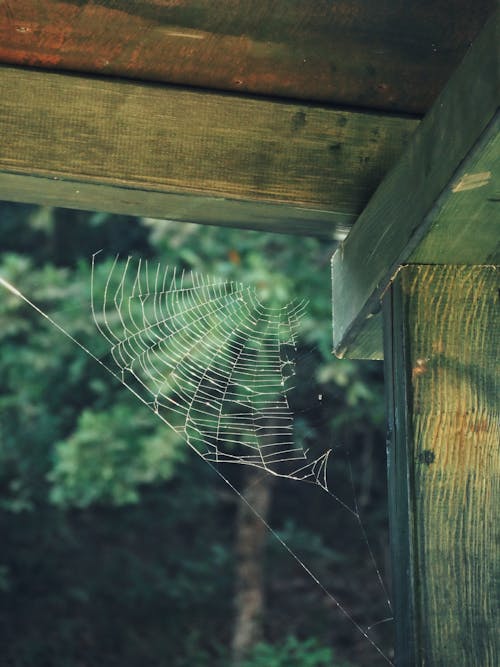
(385, 55)
(459, 133)
(445, 424)
(148, 141)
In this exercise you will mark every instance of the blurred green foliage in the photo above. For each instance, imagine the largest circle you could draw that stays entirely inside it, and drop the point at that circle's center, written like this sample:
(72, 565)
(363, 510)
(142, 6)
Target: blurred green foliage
(293, 653)
(108, 457)
(117, 543)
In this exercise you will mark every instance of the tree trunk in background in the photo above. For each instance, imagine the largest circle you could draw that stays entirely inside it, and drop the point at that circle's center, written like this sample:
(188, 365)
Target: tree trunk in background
(251, 536)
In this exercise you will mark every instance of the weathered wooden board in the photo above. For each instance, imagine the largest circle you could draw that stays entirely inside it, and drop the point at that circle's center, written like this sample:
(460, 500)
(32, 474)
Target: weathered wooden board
(159, 151)
(439, 204)
(465, 225)
(389, 54)
(442, 335)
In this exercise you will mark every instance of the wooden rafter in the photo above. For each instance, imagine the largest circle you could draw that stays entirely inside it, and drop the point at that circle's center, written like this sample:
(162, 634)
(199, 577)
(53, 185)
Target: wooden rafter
(145, 149)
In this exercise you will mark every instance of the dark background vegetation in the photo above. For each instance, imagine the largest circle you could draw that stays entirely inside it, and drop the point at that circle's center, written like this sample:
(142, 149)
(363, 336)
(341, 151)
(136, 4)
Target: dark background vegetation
(117, 543)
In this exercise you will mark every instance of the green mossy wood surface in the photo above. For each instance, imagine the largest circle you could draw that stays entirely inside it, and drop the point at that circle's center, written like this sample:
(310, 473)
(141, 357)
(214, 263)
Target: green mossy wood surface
(160, 151)
(442, 340)
(438, 205)
(465, 225)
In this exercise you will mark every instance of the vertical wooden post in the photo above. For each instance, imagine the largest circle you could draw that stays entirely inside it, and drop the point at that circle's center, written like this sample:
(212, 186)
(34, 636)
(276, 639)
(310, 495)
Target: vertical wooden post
(442, 364)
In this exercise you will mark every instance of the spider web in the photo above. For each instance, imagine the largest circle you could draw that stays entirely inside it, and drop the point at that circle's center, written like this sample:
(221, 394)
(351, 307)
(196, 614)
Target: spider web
(211, 360)
(215, 365)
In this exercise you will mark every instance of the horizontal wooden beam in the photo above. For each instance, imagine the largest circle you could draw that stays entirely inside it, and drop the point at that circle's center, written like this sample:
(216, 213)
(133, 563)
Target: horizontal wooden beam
(390, 54)
(145, 149)
(439, 204)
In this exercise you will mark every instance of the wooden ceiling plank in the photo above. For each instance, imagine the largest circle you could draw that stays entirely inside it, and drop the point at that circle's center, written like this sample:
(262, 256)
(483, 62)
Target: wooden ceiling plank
(160, 151)
(450, 164)
(388, 54)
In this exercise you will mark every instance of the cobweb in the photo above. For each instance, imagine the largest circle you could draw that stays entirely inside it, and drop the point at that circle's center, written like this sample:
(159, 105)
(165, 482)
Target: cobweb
(211, 360)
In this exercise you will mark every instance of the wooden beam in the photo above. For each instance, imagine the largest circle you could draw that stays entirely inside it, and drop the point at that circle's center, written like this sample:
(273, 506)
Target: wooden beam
(158, 151)
(389, 54)
(465, 225)
(442, 369)
(439, 204)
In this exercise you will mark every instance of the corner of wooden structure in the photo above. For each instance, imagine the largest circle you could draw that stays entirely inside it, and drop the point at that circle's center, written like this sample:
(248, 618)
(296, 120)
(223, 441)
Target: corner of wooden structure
(438, 205)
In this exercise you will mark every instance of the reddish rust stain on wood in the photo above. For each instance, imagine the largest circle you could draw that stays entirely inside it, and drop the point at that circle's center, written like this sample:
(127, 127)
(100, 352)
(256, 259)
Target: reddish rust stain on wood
(388, 55)
(419, 368)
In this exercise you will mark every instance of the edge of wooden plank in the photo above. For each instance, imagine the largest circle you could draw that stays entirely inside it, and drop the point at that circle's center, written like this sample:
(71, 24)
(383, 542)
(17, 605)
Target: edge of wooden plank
(364, 264)
(220, 211)
(399, 476)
